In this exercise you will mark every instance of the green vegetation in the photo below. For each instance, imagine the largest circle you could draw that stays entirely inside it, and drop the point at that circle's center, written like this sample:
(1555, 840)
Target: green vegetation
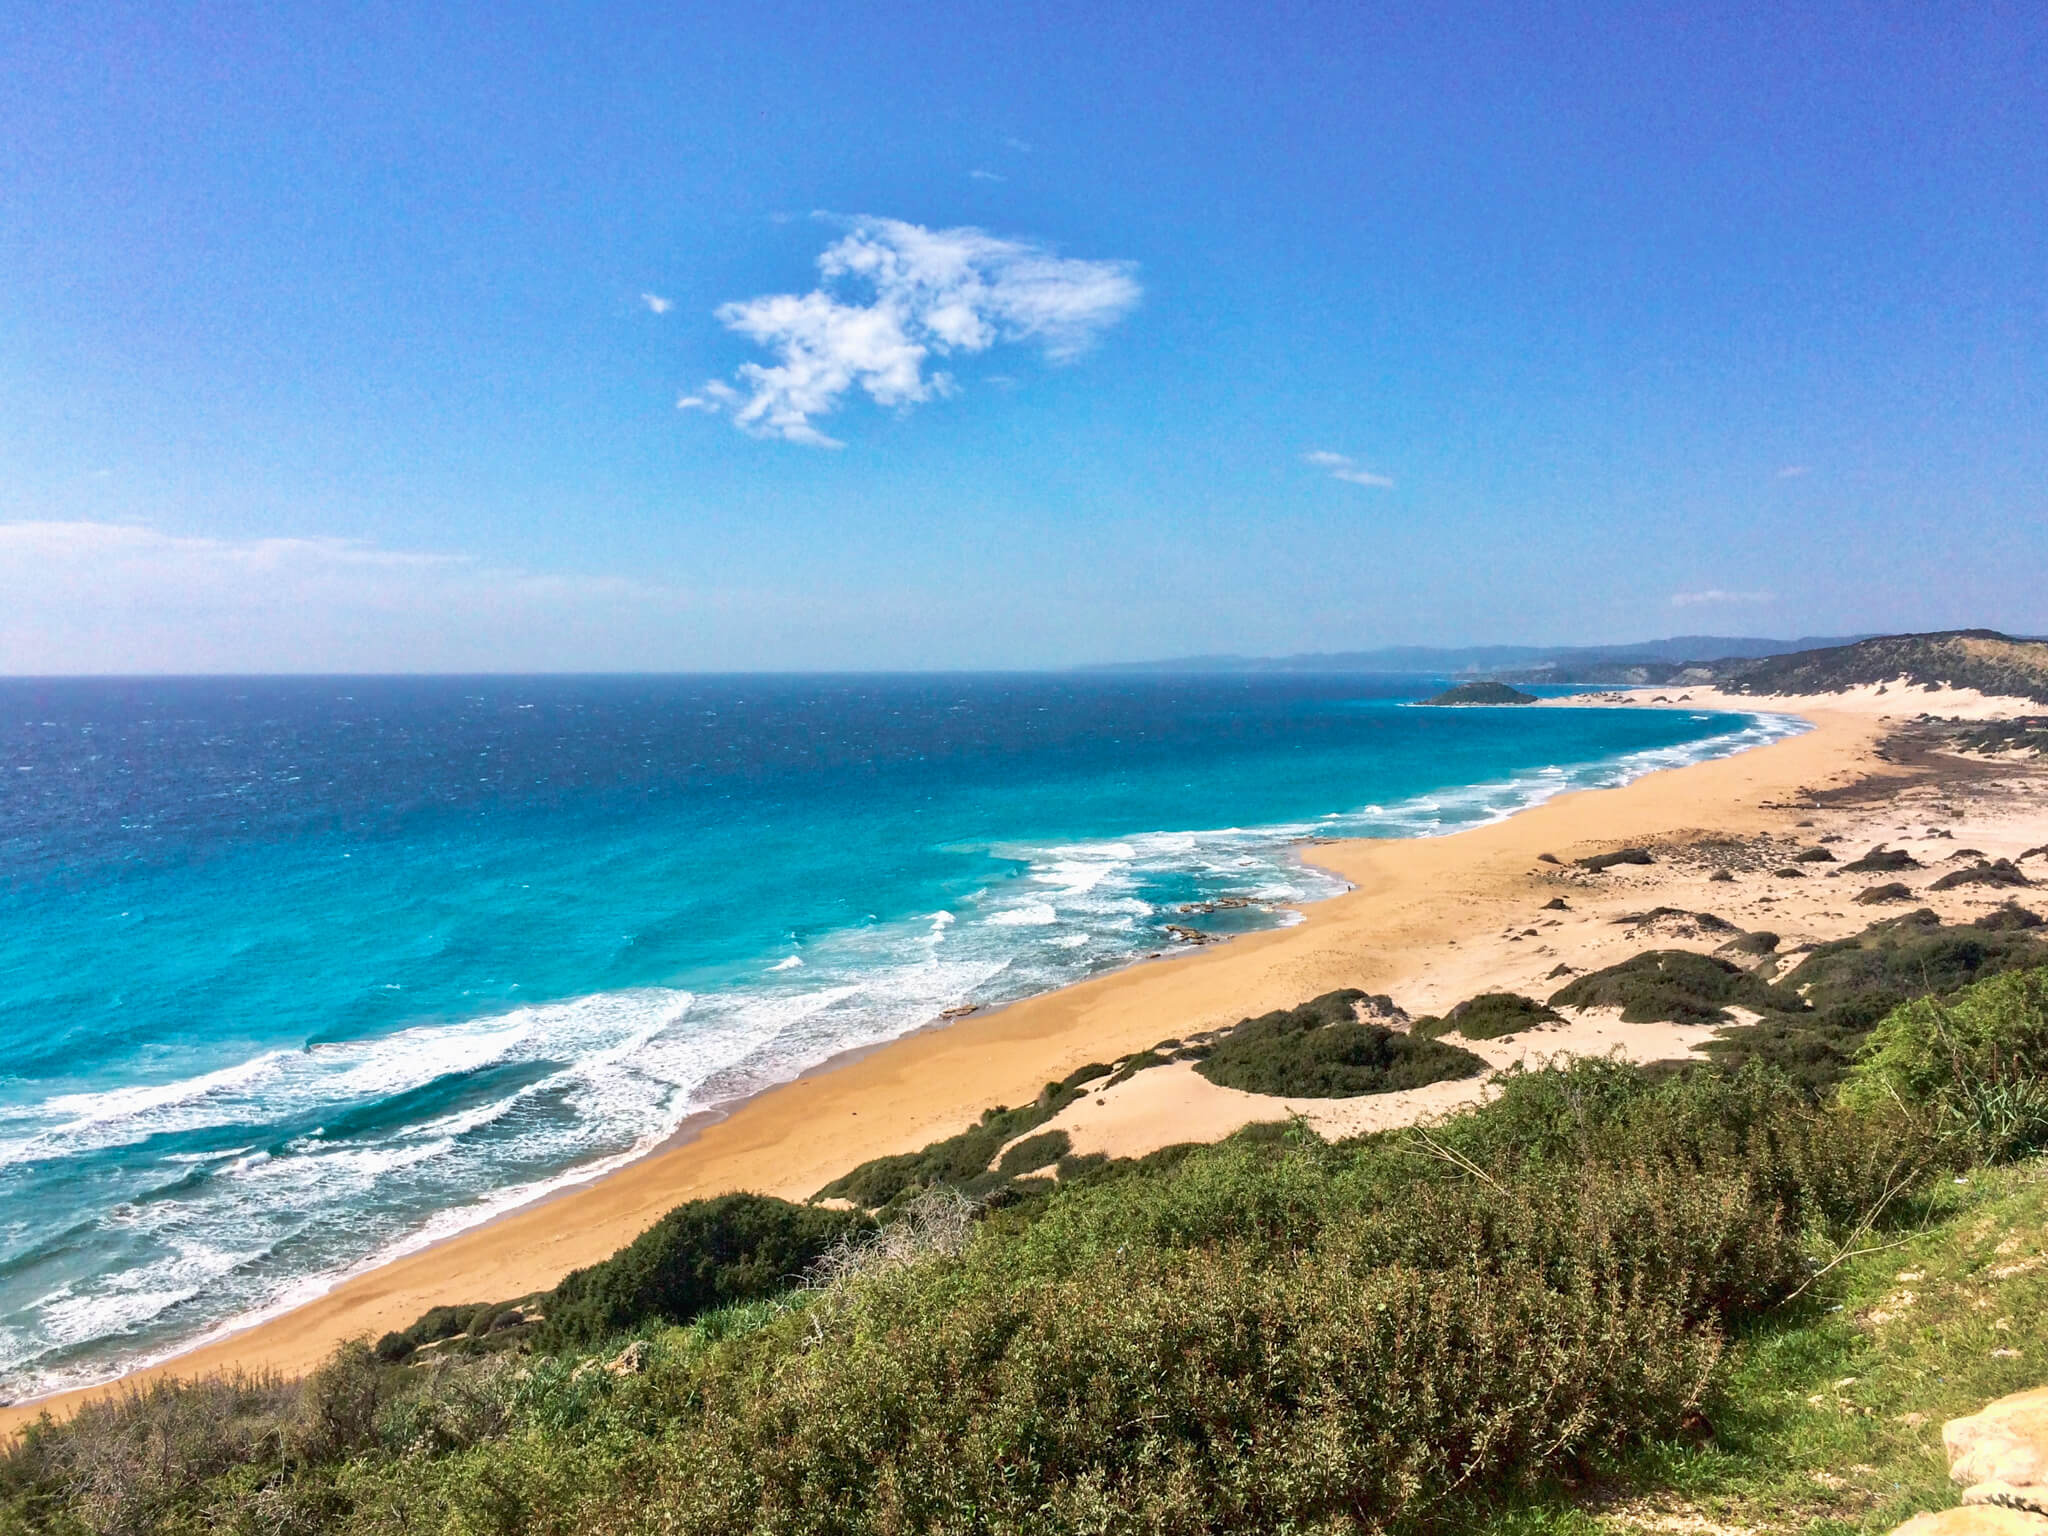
(962, 1162)
(1715, 1295)
(2028, 734)
(2010, 918)
(1835, 995)
(1489, 1016)
(1671, 986)
(1980, 1062)
(1481, 693)
(1320, 1050)
(700, 1256)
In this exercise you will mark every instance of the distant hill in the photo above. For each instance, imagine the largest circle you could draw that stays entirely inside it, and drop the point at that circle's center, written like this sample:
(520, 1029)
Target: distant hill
(1537, 662)
(1960, 658)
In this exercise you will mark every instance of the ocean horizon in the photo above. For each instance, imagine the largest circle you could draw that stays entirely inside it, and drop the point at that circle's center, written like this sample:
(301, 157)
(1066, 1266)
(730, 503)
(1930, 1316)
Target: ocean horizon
(299, 974)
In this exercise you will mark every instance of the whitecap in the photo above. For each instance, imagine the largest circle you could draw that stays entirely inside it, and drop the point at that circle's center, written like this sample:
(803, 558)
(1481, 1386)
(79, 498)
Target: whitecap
(1031, 915)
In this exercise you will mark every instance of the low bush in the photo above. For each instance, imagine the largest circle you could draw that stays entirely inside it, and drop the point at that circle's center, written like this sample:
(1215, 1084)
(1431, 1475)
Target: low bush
(1979, 1061)
(1033, 1153)
(1672, 986)
(962, 1162)
(1320, 1050)
(2010, 918)
(702, 1255)
(1489, 1016)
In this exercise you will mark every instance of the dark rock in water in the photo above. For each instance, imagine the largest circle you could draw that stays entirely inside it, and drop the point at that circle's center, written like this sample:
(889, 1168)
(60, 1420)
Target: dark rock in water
(2010, 918)
(1482, 693)
(1600, 861)
(1897, 890)
(2003, 872)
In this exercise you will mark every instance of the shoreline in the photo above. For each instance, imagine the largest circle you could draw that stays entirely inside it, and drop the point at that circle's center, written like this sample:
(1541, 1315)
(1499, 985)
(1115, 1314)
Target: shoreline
(1407, 897)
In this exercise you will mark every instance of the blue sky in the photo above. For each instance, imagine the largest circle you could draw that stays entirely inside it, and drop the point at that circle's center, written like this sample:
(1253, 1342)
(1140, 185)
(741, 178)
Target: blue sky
(356, 340)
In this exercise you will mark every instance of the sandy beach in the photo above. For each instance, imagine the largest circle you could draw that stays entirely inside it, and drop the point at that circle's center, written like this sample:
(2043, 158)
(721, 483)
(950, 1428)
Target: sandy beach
(1430, 921)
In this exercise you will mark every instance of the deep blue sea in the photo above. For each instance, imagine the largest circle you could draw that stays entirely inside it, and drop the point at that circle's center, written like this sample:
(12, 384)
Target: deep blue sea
(298, 974)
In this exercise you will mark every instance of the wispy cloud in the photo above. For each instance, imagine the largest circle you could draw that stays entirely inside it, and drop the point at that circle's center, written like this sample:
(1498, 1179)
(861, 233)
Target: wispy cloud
(1343, 467)
(981, 175)
(1794, 471)
(101, 596)
(1718, 595)
(1022, 146)
(657, 303)
(894, 296)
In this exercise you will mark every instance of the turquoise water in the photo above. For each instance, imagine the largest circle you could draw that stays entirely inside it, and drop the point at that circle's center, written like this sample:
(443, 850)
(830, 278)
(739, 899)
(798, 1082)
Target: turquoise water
(296, 975)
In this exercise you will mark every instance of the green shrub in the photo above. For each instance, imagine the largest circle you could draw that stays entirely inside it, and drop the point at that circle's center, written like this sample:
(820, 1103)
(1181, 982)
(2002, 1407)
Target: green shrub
(962, 1162)
(1489, 1016)
(2010, 918)
(1673, 986)
(1034, 1152)
(1319, 1050)
(1979, 1061)
(701, 1255)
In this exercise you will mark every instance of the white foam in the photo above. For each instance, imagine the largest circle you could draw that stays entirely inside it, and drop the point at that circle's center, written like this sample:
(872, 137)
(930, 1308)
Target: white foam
(1035, 914)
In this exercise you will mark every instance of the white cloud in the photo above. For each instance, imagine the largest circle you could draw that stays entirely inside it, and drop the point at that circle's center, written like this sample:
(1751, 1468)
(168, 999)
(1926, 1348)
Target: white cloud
(1019, 145)
(980, 175)
(120, 597)
(1343, 467)
(1717, 595)
(1794, 471)
(657, 303)
(895, 296)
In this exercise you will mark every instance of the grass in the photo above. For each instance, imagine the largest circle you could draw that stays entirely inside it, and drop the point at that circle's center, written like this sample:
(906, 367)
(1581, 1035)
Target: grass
(1828, 1419)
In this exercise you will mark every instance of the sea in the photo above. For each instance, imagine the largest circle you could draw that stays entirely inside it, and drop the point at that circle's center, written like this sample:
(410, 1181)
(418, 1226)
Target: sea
(297, 975)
